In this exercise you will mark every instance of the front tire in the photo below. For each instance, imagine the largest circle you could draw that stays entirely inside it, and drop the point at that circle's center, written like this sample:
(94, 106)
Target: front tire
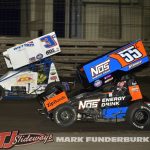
(138, 115)
(65, 115)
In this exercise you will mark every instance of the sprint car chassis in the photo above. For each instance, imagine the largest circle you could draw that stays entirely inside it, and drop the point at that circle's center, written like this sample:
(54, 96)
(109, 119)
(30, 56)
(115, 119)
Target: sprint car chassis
(109, 91)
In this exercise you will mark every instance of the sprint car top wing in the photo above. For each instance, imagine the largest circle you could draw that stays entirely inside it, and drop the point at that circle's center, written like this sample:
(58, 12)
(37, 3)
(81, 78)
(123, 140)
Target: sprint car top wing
(32, 51)
(124, 59)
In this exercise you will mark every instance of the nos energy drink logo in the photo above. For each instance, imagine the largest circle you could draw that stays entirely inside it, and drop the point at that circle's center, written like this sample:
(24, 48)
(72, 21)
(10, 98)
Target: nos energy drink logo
(100, 69)
(97, 69)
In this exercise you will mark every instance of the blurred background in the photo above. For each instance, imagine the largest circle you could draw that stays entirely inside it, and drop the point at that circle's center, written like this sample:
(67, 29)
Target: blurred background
(94, 25)
(86, 19)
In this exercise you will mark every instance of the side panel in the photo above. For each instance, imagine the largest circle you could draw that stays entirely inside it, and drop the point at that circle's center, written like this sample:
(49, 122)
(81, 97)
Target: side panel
(26, 79)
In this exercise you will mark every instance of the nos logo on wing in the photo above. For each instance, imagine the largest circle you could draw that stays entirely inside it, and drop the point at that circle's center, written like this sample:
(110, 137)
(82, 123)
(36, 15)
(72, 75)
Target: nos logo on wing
(100, 69)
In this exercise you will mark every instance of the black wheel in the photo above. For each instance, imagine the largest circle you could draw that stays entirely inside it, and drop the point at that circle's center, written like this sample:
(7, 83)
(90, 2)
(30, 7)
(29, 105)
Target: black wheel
(2, 92)
(138, 115)
(65, 115)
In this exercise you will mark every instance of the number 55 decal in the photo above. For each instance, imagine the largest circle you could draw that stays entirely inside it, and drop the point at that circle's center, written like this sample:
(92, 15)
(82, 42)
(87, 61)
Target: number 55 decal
(130, 54)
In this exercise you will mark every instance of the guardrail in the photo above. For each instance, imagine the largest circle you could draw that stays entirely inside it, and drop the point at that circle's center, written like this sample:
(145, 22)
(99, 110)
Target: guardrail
(74, 52)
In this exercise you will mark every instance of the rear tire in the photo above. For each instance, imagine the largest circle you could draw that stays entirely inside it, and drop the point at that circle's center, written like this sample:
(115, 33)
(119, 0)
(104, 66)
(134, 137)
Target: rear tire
(138, 115)
(65, 115)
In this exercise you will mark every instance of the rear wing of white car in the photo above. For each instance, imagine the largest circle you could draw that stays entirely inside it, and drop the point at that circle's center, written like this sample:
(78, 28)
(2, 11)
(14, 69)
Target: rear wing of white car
(32, 51)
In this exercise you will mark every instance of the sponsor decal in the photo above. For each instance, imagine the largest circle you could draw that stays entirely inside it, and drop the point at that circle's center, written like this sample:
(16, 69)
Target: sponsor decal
(53, 78)
(26, 78)
(98, 83)
(58, 49)
(113, 101)
(50, 51)
(19, 48)
(32, 59)
(56, 101)
(39, 56)
(14, 138)
(135, 64)
(100, 69)
(88, 104)
(23, 46)
(41, 78)
(29, 44)
(108, 76)
(108, 80)
(53, 73)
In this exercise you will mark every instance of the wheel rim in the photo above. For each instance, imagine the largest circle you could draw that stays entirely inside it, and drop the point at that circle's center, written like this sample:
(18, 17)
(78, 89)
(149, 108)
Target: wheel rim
(141, 117)
(66, 116)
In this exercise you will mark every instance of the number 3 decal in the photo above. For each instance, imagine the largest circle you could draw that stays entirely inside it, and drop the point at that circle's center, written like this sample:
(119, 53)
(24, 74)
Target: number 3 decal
(48, 41)
(130, 54)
